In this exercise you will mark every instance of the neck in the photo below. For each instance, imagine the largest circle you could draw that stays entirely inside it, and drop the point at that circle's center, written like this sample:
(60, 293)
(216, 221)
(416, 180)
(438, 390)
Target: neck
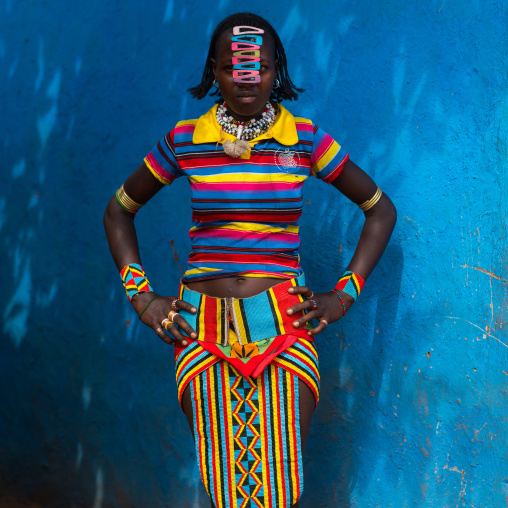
(244, 118)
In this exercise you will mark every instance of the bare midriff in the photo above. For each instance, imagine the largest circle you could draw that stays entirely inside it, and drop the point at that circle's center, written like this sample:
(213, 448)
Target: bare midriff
(234, 287)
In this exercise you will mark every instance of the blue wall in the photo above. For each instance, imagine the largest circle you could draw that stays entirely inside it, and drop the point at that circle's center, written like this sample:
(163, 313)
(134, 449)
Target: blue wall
(414, 396)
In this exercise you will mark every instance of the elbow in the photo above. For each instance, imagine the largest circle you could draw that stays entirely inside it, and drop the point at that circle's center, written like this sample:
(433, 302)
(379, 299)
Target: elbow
(113, 215)
(384, 211)
(108, 214)
(391, 212)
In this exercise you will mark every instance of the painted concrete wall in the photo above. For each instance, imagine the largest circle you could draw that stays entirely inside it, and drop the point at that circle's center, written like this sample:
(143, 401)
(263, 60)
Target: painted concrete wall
(414, 398)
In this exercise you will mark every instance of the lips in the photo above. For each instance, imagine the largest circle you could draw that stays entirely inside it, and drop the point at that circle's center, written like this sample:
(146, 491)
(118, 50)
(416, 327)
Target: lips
(246, 98)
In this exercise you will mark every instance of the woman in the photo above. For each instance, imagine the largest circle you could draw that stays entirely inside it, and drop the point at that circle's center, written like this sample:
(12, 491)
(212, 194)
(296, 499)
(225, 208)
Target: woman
(242, 324)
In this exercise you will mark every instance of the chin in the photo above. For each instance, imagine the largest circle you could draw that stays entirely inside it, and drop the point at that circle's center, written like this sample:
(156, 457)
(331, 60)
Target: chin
(246, 108)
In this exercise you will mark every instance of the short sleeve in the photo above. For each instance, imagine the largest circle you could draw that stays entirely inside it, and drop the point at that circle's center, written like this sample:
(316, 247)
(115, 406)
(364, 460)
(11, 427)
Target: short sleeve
(328, 157)
(162, 162)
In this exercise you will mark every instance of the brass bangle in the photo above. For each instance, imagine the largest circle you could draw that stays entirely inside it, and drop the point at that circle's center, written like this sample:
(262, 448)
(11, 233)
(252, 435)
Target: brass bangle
(367, 205)
(126, 202)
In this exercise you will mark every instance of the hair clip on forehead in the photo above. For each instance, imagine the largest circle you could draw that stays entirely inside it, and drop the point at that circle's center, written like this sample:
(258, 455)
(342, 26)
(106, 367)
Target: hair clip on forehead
(238, 30)
(246, 45)
(244, 59)
(248, 66)
(256, 53)
(254, 39)
(240, 46)
(244, 76)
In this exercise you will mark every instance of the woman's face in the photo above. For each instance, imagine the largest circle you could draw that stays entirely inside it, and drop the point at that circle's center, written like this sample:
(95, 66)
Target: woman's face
(244, 100)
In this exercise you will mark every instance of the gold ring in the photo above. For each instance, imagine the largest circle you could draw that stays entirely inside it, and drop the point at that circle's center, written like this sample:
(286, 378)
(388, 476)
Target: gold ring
(324, 321)
(165, 322)
(171, 315)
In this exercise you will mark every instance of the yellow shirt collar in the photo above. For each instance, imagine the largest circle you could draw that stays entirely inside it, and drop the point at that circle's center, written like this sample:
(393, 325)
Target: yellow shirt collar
(207, 129)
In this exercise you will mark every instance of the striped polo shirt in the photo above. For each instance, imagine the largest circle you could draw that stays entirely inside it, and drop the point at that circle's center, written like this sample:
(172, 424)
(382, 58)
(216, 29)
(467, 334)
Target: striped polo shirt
(245, 211)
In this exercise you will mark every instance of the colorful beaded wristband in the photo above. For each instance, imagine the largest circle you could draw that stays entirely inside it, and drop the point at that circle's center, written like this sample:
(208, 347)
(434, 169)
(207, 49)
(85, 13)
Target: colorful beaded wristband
(134, 280)
(351, 284)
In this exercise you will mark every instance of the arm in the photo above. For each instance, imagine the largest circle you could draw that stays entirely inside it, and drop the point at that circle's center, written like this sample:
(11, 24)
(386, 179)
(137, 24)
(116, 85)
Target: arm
(380, 220)
(140, 186)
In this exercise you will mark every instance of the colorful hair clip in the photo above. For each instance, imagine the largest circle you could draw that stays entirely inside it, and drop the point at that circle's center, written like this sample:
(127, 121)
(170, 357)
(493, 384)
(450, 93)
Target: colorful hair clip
(237, 60)
(238, 30)
(244, 73)
(248, 66)
(254, 39)
(256, 53)
(239, 46)
(251, 78)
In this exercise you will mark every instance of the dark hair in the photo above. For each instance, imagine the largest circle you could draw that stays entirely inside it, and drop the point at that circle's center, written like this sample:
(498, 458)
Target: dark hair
(286, 90)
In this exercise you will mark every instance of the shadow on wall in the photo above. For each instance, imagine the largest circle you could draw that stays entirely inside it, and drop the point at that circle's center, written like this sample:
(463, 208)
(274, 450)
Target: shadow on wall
(343, 434)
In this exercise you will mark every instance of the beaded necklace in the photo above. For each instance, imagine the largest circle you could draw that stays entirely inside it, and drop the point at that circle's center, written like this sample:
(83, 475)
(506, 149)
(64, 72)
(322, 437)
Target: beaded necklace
(246, 130)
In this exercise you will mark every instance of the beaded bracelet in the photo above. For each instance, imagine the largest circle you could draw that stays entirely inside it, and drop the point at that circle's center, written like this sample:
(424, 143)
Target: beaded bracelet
(134, 280)
(351, 284)
(341, 300)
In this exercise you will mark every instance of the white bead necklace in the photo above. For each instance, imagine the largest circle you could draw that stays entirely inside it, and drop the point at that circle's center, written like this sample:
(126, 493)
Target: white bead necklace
(246, 130)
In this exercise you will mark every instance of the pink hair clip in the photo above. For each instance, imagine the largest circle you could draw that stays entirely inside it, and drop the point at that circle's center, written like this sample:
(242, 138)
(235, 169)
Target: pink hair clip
(244, 59)
(240, 46)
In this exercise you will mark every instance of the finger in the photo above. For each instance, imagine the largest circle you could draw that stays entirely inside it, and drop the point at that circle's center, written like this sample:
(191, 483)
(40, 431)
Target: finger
(305, 305)
(173, 330)
(186, 327)
(163, 335)
(183, 305)
(299, 290)
(323, 323)
(302, 320)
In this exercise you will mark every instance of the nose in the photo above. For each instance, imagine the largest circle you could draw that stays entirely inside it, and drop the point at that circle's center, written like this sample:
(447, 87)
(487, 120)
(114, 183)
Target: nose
(246, 85)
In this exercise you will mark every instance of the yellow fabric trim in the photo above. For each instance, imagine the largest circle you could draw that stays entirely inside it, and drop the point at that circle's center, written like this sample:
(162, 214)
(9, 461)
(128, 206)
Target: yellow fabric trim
(215, 437)
(248, 177)
(327, 157)
(209, 131)
(154, 173)
(276, 308)
(202, 270)
(252, 227)
(181, 123)
(263, 275)
(299, 119)
(239, 319)
(200, 435)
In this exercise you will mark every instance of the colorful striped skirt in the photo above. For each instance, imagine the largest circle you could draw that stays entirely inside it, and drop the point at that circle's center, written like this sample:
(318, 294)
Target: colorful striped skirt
(243, 372)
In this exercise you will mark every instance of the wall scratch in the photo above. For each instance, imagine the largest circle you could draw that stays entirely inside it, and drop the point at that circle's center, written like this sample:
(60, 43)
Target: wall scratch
(476, 326)
(484, 271)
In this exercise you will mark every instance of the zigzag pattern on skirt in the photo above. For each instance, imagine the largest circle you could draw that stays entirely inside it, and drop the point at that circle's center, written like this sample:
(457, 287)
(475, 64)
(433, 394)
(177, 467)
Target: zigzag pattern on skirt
(247, 433)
